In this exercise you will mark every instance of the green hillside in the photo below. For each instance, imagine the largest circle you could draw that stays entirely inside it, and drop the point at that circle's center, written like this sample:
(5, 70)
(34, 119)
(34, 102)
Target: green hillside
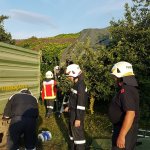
(40, 43)
(59, 48)
(96, 37)
(51, 48)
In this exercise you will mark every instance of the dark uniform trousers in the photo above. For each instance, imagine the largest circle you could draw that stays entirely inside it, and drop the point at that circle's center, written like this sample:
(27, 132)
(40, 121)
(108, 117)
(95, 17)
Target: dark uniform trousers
(24, 126)
(76, 134)
(130, 139)
(49, 106)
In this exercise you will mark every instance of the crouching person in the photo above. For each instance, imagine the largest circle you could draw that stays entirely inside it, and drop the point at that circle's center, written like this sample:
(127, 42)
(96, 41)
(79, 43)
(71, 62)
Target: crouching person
(22, 109)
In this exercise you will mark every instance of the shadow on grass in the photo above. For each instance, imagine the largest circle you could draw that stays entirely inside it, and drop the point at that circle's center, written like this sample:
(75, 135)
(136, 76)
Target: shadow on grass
(62, 122)
(39, 142)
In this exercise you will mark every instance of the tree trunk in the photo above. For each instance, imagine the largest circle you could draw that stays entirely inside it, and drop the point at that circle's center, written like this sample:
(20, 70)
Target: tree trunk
(92, 100)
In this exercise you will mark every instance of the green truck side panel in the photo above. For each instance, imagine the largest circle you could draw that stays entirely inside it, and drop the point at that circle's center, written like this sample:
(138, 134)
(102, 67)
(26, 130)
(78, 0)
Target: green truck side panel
(19, 68)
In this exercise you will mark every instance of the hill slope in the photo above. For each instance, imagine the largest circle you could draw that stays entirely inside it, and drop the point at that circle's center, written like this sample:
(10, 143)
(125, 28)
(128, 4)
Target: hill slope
(96, 36)
(64, 44)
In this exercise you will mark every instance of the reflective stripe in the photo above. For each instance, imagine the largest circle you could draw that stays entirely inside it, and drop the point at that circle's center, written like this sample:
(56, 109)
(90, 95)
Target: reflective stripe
(74, 91)
(25, 93)
(86, 89)
(49, 97)
(65, 102)
(71, 138)
(44, 90)
(30, 149)
(11, 97)
(80, 107)
(48, 82)
(6, 117)
(35, 98)
(50, 107)
(80, 142)
(52, 90)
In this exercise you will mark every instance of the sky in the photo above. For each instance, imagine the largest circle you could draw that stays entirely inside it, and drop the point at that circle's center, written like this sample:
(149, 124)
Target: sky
(48, 18)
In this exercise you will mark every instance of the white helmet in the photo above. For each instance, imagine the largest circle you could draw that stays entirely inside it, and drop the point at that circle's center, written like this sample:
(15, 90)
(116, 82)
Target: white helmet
(49, 75)
(56, 67)
(73, 70)
(122, 69)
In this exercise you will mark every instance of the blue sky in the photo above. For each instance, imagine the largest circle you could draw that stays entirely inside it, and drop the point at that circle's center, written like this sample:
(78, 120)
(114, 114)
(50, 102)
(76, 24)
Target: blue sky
(47, 18)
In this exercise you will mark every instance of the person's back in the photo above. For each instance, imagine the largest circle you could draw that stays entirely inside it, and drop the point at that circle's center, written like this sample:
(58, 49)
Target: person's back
(49, 89)
(49, 92)
(22, 104)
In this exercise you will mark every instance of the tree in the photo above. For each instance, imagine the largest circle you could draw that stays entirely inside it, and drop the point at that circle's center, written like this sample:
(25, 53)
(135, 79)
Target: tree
(95, 64)
(4, 36)
(131, 36)
(129, 42)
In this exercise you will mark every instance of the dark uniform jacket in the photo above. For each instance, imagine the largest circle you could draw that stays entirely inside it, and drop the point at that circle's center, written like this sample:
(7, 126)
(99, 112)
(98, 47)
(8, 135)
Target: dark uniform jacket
(21, 104)
(127, 99)
(78, 99)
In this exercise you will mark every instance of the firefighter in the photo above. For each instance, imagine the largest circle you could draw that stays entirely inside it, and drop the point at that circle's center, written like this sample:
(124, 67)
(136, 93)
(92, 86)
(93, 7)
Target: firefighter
(124, 108)
(76, 107)
(56, 72)
(48, 92)
(22, 109)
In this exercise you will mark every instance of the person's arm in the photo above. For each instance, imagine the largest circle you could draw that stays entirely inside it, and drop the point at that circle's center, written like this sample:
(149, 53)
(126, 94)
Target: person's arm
(127, 123)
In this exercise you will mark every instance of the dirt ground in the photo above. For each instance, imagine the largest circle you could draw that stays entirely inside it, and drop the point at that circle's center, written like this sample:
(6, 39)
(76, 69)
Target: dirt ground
(3, 133)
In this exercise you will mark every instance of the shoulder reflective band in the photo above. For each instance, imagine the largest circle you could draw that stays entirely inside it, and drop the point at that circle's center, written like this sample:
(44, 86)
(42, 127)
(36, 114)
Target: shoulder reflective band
(74, 91)
(80, 107)
(11, 97)
(80, 142)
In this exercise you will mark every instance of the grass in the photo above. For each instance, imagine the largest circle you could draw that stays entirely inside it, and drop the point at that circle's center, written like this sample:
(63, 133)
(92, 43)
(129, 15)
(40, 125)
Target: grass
(96, 126)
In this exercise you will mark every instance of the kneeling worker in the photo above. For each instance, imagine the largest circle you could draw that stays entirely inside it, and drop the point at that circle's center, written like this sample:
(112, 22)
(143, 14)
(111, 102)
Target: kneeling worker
(22, 109)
